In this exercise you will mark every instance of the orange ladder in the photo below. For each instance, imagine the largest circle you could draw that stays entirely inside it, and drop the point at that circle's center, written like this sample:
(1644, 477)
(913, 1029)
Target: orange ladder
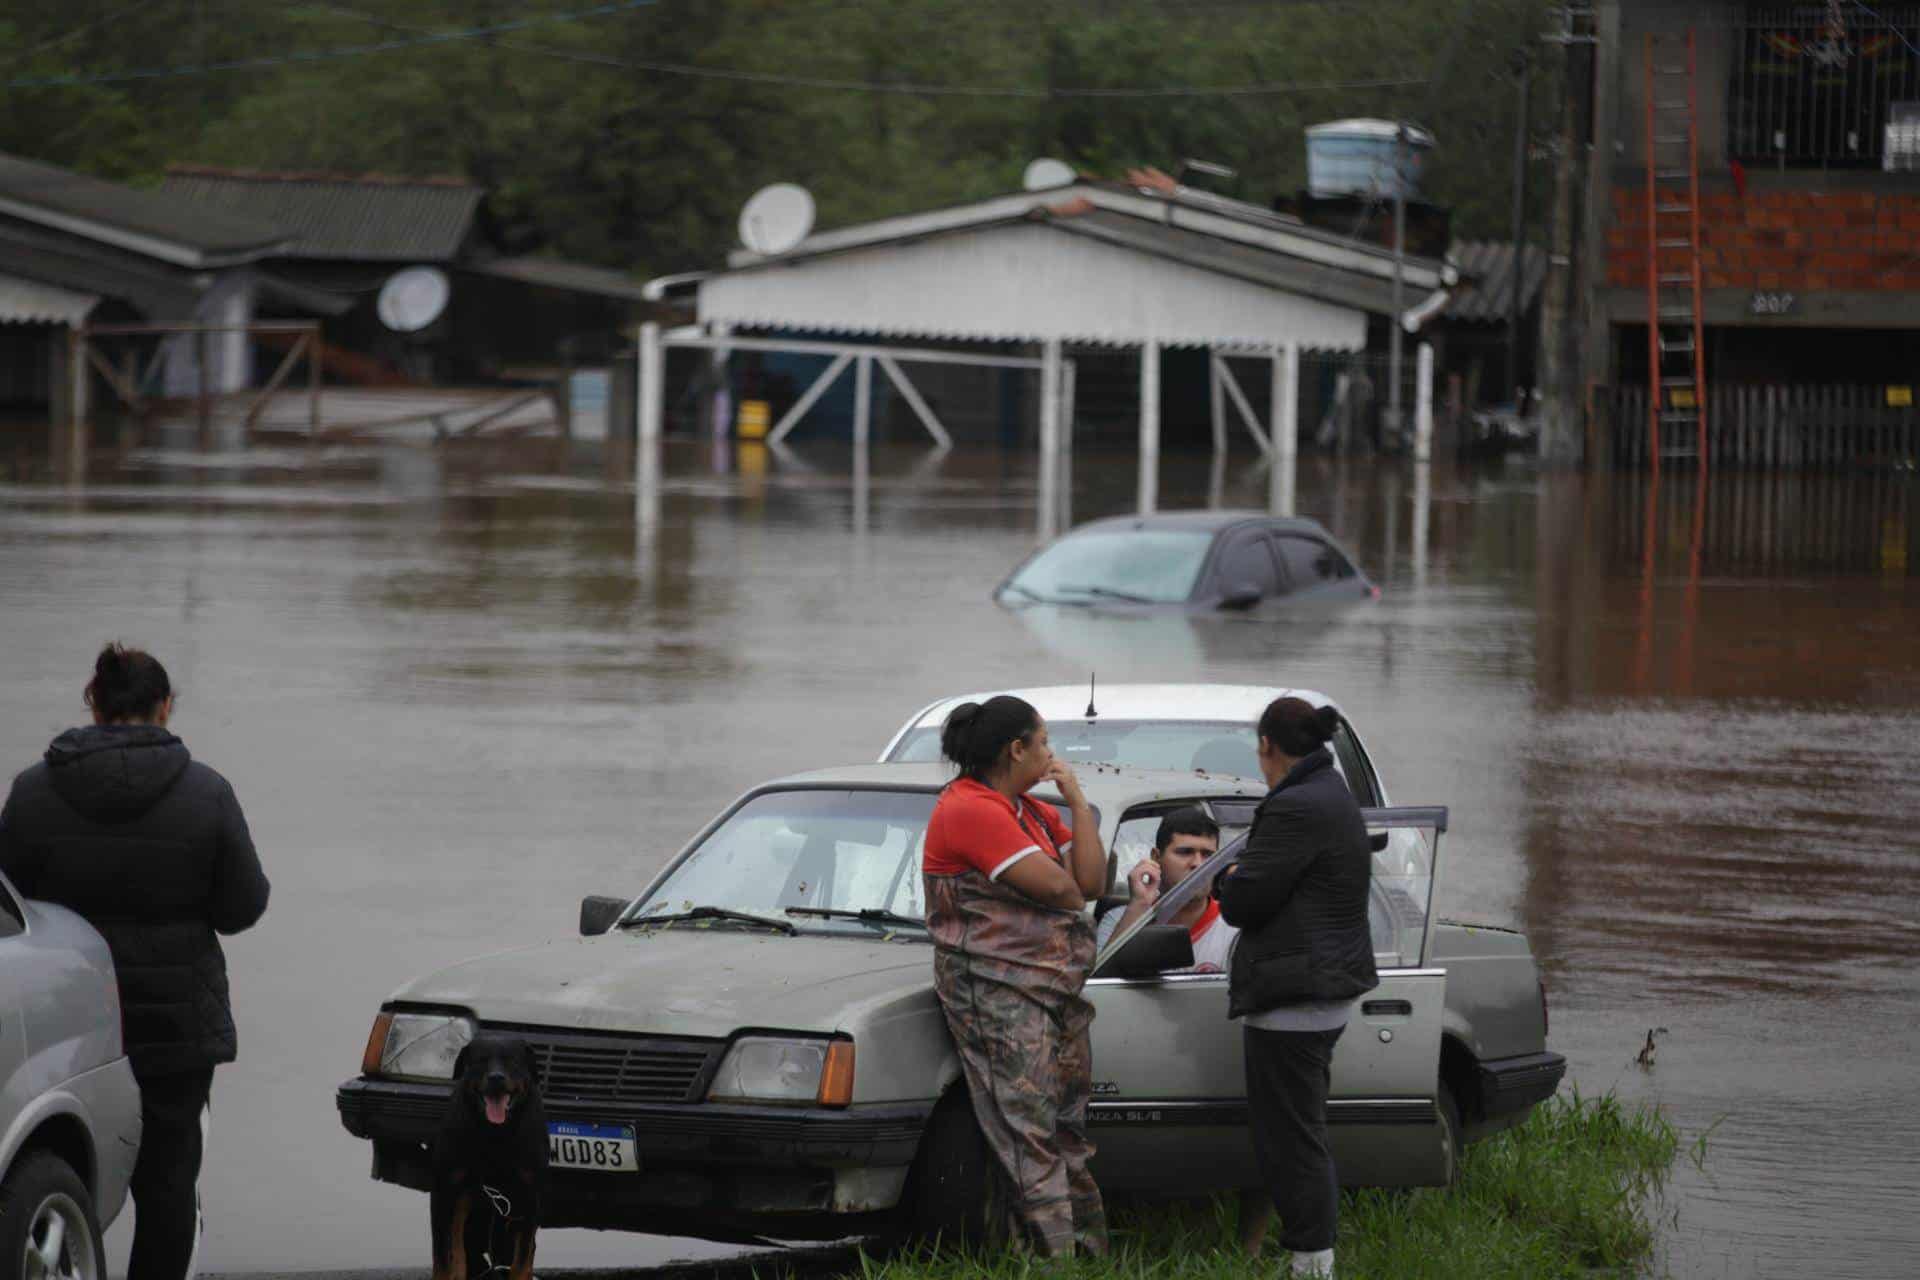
(1676, 337)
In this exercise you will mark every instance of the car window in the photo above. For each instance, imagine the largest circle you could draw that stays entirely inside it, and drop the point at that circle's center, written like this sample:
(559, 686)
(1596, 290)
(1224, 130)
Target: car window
(1154, 566)
(1133, 838)
(1215, 746)
(1311, 562)
(1357, 768)
(13, 920)
(1248, 561)
(840, 849)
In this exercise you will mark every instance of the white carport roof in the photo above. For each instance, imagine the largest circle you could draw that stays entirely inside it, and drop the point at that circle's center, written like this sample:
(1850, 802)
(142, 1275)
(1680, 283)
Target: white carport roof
(30, 302)
(1086, 263)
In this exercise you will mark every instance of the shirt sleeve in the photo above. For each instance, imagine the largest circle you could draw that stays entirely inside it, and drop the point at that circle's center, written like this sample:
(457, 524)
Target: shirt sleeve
(990, 839)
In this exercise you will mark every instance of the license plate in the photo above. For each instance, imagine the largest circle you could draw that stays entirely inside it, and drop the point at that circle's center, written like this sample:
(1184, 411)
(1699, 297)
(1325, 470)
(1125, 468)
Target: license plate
(607, 1148)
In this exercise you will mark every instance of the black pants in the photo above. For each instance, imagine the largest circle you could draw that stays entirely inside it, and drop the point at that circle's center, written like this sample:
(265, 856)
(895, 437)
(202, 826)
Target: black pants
(1288, 1078)
(166, 1204)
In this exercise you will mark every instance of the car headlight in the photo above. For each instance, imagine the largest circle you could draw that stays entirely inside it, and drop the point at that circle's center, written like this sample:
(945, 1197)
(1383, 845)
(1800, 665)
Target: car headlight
(416, 1046)
(777, 1069)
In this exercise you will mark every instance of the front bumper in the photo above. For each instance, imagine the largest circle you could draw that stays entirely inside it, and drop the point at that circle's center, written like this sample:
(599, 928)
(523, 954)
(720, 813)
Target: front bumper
(1513, 1085)
(722, 1171)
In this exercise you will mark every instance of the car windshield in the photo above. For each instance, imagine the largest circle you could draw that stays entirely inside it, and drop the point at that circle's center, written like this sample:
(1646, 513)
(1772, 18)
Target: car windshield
(820, 852)
(1216, 746)
(1146, 566)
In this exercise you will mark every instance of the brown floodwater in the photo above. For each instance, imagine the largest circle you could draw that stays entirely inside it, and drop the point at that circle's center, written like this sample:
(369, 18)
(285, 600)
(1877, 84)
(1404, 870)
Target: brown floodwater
(1680, 740)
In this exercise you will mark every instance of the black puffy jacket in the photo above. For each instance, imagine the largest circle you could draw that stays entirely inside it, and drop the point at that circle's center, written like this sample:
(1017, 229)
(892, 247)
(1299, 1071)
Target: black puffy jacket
(1298, 895)
(119, 824)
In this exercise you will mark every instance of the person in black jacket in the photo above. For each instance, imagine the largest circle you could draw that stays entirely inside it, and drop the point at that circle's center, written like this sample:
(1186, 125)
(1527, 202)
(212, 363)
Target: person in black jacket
(1298, 895)
(121, 825)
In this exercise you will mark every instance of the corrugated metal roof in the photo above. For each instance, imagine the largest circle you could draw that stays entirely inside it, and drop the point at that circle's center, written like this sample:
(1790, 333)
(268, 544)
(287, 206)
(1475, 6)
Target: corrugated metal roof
(1486, 280)
(156, 224)
(558, 273)
(30, 302)
(162, 294)
(370, 217)
(1021, 280)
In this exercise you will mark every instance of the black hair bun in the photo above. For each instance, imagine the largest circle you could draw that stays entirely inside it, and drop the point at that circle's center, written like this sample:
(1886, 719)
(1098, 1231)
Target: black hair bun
(1326, 720)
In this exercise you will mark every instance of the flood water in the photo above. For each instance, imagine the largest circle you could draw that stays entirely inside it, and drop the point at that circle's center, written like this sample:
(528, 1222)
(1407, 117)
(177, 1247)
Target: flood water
(1680, 744)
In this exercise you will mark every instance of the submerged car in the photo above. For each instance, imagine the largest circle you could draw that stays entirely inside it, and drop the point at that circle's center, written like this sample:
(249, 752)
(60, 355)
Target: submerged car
(751, 1049)
(1188, 561)
(69, 1107)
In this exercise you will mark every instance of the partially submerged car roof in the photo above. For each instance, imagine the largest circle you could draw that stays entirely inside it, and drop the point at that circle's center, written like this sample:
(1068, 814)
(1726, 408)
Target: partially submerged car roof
(1108, 787)
(1224, 702)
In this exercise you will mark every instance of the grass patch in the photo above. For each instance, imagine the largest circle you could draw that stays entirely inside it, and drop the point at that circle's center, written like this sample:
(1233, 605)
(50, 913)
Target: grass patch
(1563, 1195)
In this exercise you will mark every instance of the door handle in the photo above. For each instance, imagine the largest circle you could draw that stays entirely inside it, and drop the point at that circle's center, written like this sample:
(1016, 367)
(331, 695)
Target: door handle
(1387, 1009)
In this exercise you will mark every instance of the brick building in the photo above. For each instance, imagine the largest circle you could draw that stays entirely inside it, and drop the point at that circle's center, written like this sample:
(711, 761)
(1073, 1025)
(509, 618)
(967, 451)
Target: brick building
(1808, 204)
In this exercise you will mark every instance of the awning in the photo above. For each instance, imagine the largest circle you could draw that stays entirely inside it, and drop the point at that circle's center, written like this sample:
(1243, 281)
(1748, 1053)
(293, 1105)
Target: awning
(29, 302)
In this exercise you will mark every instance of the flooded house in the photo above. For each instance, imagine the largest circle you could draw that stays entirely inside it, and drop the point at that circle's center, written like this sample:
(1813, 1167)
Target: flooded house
(1752, 231)
(1155, 314)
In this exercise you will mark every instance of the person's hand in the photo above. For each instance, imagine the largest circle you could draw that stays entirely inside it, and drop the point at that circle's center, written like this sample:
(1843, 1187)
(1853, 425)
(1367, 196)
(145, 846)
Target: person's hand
(1143, 882)
(1061, 774)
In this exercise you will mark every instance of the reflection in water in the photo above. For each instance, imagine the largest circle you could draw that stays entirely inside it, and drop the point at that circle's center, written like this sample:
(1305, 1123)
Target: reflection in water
(1677, 729)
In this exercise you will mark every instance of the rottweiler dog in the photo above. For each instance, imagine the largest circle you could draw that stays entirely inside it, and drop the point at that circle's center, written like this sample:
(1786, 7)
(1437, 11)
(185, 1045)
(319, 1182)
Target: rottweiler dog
(489, 1164)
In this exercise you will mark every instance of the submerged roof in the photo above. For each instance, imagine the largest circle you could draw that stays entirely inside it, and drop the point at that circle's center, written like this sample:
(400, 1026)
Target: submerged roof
(1486, 274)
(367, 217)
(162, 225)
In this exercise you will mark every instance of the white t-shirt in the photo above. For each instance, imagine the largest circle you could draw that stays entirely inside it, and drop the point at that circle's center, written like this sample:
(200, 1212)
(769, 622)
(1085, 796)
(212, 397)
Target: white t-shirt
(1212, 948)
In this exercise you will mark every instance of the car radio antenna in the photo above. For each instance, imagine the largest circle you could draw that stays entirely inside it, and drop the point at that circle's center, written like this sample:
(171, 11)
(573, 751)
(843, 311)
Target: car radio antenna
(1092, 678)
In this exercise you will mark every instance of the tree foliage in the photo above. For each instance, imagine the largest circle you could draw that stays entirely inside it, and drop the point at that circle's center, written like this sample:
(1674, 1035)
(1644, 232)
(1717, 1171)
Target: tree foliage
(600, 141)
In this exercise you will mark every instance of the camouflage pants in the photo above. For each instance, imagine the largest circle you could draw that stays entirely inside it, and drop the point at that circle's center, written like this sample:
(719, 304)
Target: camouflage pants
(1029, 1070)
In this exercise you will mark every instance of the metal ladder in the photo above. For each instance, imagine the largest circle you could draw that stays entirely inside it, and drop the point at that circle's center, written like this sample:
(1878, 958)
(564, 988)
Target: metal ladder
(1676, 339)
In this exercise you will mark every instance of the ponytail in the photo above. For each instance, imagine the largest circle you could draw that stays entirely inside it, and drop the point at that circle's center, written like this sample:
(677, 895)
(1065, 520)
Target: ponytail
(1297, 727)
(977, 734)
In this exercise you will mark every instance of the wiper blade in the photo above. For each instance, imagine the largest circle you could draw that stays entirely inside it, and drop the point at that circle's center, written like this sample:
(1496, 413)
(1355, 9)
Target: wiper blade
(1028, 592)
(1108, 593)
(865, 915)
(711, 913)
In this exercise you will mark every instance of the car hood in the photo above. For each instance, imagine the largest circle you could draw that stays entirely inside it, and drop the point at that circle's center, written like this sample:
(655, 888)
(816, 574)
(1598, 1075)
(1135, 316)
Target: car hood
(685, 982)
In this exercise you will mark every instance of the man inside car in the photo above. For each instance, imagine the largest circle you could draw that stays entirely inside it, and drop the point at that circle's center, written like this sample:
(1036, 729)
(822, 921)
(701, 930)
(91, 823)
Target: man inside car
(1186, 838)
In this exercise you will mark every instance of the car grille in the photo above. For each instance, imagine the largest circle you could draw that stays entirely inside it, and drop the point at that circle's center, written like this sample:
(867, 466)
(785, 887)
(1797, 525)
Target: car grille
(617, 1069)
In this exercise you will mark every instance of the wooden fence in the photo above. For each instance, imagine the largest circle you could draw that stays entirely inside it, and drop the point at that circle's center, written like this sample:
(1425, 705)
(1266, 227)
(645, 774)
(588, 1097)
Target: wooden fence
(1779, 428)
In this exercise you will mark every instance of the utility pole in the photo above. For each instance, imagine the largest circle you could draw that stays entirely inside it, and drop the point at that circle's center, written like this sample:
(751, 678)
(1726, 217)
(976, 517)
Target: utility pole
(1517, 296)
(1399, 269)
(1562, 306)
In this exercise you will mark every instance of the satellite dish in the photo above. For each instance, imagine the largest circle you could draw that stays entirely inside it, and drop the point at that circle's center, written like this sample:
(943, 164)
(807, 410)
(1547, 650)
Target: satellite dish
(411, 300)
(776, 218)
(1047, 172)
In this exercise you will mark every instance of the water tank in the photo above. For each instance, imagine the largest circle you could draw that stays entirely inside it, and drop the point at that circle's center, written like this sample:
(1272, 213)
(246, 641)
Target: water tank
(1357, 158)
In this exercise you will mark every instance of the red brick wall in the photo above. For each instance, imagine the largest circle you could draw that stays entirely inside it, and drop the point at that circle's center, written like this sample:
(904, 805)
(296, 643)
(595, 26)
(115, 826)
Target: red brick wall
(1797, 241)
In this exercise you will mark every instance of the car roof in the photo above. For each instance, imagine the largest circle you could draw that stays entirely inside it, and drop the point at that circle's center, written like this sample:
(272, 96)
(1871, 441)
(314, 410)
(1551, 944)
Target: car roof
(1108, 787)
(1223, 702)
(1208, 520)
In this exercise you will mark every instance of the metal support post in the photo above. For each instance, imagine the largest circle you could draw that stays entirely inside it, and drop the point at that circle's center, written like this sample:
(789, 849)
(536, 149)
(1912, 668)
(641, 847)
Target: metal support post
(315, 356)
(203, 404)
(649, 394)
(1285, 429)
(1048, 498)
(862, 403)
(1149, 425)
(1399, 270)
(1217, 400)
(1423, 404)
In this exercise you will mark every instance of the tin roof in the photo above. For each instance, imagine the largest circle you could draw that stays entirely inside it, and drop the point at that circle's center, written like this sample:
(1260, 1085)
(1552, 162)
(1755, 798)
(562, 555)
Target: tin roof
(1485, 294)
(366, 217)
(159, 224)
(559, 273)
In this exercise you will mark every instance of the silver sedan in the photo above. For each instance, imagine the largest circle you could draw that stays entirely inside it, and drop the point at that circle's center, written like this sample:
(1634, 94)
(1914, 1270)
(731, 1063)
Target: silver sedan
(69, 1107)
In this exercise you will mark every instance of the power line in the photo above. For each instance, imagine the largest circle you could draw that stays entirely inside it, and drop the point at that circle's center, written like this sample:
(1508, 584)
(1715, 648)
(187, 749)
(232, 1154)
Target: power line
(421, 37)
(328, 55)
(78, 31)
(920, 90)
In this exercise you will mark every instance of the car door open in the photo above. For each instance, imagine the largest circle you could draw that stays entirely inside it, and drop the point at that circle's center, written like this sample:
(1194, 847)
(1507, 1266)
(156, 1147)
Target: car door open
(1169, 1102)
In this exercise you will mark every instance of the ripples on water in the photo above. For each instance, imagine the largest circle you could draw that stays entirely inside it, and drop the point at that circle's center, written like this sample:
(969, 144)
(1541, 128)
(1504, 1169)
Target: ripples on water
(1680, 743)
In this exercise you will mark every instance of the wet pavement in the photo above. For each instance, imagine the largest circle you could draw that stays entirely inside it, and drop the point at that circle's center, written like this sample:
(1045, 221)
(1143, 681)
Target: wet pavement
(455, 693)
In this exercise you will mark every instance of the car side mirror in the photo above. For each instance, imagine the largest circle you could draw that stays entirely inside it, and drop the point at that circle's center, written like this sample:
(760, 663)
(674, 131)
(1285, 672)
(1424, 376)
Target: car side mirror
(1379, 841)
(1151, 952)
(597, 914)
(1242, 595)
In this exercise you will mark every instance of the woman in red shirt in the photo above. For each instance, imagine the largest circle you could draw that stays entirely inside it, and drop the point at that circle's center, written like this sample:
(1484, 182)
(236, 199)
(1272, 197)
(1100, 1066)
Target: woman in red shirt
(1007, 887)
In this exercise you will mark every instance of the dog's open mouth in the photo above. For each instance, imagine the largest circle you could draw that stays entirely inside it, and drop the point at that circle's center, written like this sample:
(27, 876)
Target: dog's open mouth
(497, 1105)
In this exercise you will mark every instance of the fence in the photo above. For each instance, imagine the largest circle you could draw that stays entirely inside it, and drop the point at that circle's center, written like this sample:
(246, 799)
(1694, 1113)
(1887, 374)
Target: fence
(1808, 90)
(1781, 427)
